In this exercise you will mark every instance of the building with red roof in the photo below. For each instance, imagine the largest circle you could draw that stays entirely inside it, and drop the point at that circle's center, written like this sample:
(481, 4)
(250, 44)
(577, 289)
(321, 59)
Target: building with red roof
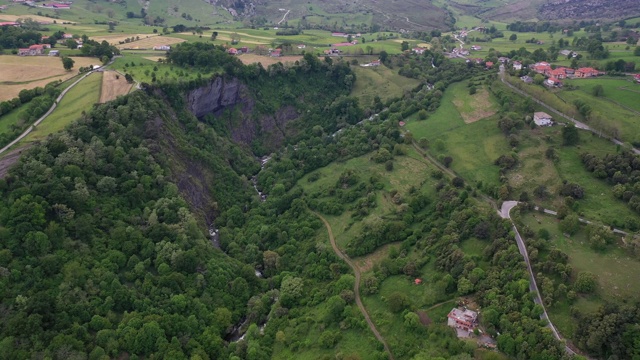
(489, 64)
(9, 23)
(32, 50)
(586, 72)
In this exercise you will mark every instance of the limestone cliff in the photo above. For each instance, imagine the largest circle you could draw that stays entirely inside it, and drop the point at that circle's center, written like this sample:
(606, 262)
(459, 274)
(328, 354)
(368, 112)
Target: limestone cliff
(245, 126)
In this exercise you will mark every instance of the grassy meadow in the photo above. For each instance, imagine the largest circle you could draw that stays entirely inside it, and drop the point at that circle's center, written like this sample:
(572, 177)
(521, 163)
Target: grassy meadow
(380, 81)
(614, 268)
(79, 99)
(449, 134)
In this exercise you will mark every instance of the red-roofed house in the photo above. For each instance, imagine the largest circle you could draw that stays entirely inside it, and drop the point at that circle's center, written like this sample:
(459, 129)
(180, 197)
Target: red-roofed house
(637, 77)
(586, 72)
(541, 68)
(418, 281)
(32, 50)
(489, 64)
(276, 53)
(232, 51)
(558, 73)
(9, 23)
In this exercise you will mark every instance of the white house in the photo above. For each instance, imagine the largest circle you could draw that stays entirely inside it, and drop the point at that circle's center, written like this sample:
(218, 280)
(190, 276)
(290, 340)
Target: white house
(517, 65)
(162, 47)
(542, 119)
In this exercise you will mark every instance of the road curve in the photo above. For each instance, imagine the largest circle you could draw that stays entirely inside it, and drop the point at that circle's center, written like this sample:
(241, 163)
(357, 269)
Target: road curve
(356, 288)
(533, 286)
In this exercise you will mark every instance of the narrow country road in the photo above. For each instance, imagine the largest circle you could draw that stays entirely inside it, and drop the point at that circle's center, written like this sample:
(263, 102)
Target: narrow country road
(533, 286)
(578, 124)
(284, 17)
(356, 288)
(53, 107)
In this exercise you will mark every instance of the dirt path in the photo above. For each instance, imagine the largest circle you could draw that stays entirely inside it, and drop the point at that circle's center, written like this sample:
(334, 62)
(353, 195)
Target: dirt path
(356, 288)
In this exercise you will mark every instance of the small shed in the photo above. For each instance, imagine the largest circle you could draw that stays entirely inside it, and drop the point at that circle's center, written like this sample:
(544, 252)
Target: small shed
(418, 281)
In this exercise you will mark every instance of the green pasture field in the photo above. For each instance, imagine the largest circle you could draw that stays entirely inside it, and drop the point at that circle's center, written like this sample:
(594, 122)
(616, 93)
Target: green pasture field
(474, 147)
(614, 268)
(624, 91)
(380, 81)
(144, 68)
(535, 169)
(80, 98)
(606, 111)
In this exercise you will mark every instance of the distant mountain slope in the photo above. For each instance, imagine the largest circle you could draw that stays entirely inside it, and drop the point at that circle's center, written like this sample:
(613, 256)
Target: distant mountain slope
(505, 10)
(589, 9)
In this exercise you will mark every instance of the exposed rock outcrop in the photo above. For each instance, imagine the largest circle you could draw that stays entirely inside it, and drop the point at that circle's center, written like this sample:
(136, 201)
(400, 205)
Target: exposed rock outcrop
(219, 94)
(245, 127)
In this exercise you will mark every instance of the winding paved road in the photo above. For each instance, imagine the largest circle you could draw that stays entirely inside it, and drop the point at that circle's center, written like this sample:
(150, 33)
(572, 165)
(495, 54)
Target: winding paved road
(533, 286)
(356, 287)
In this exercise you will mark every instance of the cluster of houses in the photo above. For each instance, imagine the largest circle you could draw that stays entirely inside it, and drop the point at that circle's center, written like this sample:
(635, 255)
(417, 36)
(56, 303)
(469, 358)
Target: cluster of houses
(34, 50)
(554, 76)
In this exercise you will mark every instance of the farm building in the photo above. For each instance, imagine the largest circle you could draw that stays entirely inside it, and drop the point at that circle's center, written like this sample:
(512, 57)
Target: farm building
(32, 50)
(542, 119)
(162, 47)
(553, 82)
(466, 319)
(419, 50)
(54, 53)
(526, 79)
(276, 53)
(9, 23)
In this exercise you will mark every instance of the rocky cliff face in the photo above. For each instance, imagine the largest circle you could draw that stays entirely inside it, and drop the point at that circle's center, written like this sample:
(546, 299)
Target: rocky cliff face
(247, 127)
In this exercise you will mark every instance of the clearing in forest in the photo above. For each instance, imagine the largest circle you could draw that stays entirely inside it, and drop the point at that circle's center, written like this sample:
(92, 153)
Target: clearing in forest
(27, 72)
(475, 107)
(113, 85)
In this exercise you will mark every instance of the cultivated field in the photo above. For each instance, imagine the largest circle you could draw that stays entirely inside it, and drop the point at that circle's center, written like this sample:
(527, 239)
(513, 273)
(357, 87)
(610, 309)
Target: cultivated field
(267, 60)
(42, 19)
(148, 43)
(27, 72)
(113, 85)
(115, 39)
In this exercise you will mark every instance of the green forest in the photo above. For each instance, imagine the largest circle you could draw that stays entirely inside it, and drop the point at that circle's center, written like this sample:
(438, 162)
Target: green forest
(106, 251)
